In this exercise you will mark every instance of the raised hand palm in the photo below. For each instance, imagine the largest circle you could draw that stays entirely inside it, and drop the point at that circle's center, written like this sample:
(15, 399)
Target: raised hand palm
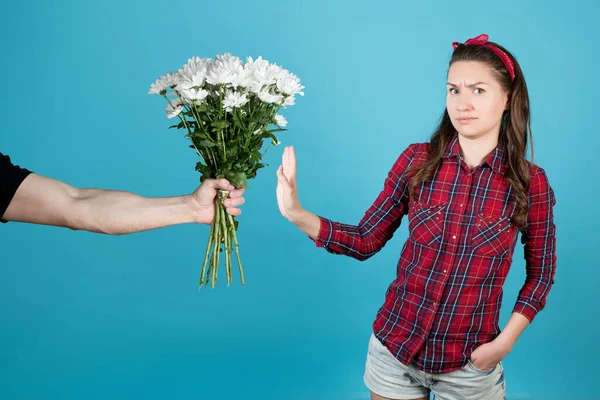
(287, 196)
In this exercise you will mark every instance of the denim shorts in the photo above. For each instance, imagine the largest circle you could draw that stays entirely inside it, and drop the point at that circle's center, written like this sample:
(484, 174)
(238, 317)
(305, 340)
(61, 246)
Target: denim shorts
(388, 377)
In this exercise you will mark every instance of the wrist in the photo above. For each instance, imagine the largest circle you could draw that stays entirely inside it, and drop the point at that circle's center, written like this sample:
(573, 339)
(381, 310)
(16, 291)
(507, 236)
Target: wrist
(504, 342)
(194, 211)
(296, 216)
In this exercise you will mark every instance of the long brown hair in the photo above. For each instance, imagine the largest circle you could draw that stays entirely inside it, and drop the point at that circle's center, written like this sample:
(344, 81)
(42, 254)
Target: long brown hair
(515, 130)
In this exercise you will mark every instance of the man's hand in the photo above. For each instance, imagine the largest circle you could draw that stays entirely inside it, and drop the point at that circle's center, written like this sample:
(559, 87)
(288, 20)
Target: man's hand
(203, 200)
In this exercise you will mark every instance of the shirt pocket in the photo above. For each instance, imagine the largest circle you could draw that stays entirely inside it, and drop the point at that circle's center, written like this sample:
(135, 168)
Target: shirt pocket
(426, 223)
(492, 234)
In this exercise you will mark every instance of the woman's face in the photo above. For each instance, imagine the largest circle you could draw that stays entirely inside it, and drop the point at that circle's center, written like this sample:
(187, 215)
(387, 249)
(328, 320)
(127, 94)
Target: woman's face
(475, 100)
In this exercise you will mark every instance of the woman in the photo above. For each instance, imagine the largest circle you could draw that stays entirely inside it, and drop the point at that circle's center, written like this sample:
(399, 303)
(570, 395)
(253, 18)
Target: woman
(468, 192)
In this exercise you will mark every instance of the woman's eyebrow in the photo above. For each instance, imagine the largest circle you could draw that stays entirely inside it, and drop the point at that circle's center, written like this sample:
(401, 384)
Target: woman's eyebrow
(469, 86)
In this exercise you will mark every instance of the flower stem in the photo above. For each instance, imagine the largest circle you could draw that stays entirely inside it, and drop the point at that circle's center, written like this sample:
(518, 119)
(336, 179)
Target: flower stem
(226, 244)
(217, 247)
(186, 126)
(220, 120)
(229, 256)
(208, 247)
(265, 152)
(237, 246)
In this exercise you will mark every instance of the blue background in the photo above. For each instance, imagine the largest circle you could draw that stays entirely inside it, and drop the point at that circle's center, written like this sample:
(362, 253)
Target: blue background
(90, 316)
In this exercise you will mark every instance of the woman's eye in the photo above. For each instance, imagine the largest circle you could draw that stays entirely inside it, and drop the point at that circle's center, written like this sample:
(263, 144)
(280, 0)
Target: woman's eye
(479, 90)
(452, 91)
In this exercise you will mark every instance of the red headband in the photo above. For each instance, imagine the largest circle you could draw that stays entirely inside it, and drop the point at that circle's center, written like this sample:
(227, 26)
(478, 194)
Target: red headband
(482, 40)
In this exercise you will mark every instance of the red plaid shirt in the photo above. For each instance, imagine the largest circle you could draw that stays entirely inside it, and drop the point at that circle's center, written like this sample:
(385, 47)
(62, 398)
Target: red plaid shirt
(445, 300)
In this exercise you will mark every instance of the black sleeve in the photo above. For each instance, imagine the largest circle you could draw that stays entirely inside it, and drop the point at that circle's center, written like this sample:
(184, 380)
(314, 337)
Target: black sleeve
(11, 177)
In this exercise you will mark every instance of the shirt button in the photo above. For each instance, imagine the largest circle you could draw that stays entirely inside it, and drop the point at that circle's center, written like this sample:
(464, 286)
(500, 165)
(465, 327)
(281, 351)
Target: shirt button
(461, 205)
(444, 271)
(435, 304)
(454, 237)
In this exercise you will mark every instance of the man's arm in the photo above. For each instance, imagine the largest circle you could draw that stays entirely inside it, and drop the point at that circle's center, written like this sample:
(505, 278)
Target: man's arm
(42, 200)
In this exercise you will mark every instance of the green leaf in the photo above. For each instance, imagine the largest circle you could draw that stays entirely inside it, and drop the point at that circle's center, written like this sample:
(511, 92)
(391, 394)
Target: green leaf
(178, 126)
(255, 156)
(232, 152)
(238, 121)
(276, 130)
(270, 135)
(205, 170)
(220, 125)
(237, 179)
(206, 143)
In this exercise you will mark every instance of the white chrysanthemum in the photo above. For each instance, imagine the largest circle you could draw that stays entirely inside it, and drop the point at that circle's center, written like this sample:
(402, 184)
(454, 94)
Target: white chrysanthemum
(177, 93)
(158, 87)
(163, 83)
(171, 80)
(196, 80)
(289, 101)
(261, 74)
(267, 97)
(174, 108)
(273, 72)
(194, 64)
(254, 65)
(227, 61)
(201, 63)
(256, 86)
(186, 72)
(234, 100)
(218, 76)
(227, 70)
(280, 120)
(242, 78)
(265, 76)
(194, 94)
(290, 85)
(193, 74)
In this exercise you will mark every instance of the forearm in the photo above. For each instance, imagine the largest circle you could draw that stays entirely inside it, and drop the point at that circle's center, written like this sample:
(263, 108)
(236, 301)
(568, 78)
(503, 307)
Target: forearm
(307, 222)
(117, 212)
(512, 331)
(360, 241)
(539, 248)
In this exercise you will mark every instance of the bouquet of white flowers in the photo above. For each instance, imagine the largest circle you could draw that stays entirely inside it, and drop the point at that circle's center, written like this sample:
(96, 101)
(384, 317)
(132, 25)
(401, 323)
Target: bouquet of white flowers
(228, 109)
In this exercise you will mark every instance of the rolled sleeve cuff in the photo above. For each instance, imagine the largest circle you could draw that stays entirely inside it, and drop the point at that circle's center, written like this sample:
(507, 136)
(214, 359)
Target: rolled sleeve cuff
(325, 233)
(526, 309)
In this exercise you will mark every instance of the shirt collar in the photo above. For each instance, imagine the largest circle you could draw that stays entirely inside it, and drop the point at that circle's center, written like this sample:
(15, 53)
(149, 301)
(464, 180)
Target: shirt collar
(495, 159)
